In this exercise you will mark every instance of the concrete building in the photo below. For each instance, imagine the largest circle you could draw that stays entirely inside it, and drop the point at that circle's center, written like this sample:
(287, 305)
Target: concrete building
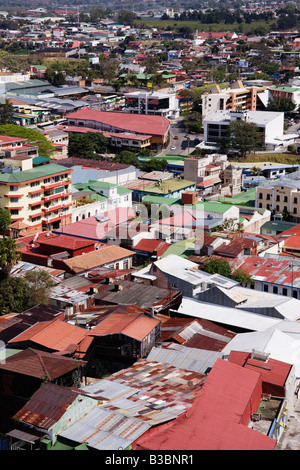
(40, 197)
(270, 124)
(280, 196)
(236, 96)
(156, 103)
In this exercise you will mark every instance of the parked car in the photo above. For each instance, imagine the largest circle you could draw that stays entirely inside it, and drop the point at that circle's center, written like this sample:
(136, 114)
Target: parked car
(173, 147)
(176, 137)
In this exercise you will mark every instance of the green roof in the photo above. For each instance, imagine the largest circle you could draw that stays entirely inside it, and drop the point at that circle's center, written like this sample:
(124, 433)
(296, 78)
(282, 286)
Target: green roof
(213, 206)
(184, 248)
(159, 200)
(245, 198)
(169, 186)
(39, 172)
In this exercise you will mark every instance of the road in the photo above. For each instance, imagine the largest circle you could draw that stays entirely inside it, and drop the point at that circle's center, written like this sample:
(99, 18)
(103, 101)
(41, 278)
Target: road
(185, 143)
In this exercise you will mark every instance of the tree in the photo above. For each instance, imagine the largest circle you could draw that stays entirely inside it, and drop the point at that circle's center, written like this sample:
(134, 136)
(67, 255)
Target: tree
(127, 157)
(232, 225)
(244, 136)
(14, 295)
(87, 145)
(9, 256)
(155, 164)
(6, 113)
(243, 278)
(126, 17)
(40, 283)
(218, 266)
(33, 136)
(5, 221)
(281, 104)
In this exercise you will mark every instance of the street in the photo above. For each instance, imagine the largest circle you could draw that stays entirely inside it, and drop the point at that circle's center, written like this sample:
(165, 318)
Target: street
(185, 143)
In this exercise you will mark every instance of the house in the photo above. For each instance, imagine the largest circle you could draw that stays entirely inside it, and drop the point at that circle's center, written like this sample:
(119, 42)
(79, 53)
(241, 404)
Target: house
(231, 318)
(120, 338)
(44, 415)
(114, 257)
(219, 418)
(279, 276)
(50, 336)
(152, 299)
(149, 249)
(278, 378)
(175, 272)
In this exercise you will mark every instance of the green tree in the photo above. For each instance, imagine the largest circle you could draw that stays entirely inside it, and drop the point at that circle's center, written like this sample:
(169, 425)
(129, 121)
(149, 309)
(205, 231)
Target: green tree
(6, 113)
(243, 278)
(40, 283)
(87, 145)
(9, 256)
(155, 164)
(14, 295)
(126, 17)
(281, 104)
(5, 221)
(244, 136)
(218, 266)
(33, 136)
(127, 157)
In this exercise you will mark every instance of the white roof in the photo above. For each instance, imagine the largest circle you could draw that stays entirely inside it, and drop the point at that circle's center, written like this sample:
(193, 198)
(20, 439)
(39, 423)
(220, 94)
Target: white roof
(188, 271)
(274, 342)
(226, 315)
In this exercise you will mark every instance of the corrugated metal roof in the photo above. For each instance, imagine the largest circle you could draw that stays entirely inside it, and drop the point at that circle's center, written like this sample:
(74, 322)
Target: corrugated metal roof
(105, 429)
(198, 360)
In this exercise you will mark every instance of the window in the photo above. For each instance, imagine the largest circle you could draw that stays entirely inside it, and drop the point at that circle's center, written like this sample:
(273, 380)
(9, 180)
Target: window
(284, 291)
(13, 188)
(266, 288)
(295, 200)
(295, 294)
(275, 290)
(260, 196)
(285, 199)
(268, 197)
(14, 199)
(277, 198)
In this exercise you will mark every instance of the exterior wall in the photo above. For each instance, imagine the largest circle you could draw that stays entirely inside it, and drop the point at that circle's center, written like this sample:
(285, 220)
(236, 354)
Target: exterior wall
(39, 202)
(279, 198)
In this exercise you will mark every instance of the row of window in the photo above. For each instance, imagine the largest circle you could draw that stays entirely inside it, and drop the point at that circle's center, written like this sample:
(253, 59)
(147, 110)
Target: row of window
(277, 208)
(275, 290)
(285, 198)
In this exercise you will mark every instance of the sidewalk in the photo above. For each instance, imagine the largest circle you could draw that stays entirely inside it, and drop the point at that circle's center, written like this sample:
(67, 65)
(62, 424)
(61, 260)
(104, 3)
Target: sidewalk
(290, 439)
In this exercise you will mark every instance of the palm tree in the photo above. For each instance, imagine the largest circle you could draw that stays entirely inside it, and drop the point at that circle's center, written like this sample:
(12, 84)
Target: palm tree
(9, 256)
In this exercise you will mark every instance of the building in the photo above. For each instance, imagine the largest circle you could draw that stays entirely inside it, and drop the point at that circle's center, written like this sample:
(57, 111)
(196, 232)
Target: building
(236, 96)
(157, 127)
(152, 103)
(280, 196)
(219, 419)
(270, 125)
(277, 276)
(40, 197)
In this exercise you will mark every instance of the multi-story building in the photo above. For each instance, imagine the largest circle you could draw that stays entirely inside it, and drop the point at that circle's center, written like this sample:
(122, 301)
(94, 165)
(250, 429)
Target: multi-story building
(39, 196)
(235, 97)
(156, 103)
(269, 124)
(282, 195)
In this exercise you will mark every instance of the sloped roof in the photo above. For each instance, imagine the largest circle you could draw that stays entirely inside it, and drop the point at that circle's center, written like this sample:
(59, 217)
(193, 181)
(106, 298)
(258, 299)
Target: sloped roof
(47, 406)
(55, 335)
(136, 326)
(39, 364)
(105, 255)
(214, 421)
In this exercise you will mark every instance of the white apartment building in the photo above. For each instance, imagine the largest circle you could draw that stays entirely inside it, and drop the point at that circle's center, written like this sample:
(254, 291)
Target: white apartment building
(271, 125)
(155, 103)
